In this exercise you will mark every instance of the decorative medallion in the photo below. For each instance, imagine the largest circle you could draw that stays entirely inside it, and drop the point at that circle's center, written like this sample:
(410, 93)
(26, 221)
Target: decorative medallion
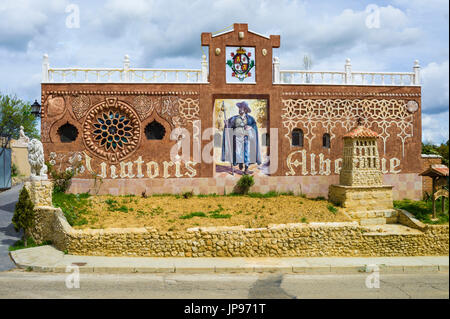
(55, 106)
(144, 105)
(217, 51)
(80, 105)
(241, 65)
(264, 52)
(412, 106)
(112, 130)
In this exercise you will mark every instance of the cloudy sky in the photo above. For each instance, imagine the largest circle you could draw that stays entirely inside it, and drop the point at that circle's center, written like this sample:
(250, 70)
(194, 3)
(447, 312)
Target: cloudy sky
(166, 34)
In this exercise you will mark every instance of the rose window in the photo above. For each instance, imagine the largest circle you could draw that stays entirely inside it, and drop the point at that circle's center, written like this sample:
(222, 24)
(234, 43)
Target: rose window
(111, 130)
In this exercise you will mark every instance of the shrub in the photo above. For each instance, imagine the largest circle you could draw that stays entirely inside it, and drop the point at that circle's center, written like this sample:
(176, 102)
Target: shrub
(14, 170)
(188, 194)
(23, 218)
(61, 180)
(244, 183)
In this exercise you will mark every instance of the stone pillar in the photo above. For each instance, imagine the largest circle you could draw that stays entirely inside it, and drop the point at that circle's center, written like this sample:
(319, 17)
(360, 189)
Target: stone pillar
(45, 68)
(416, 70)
(126, 68)
(348, 72)
(276, 70)
(204, 69)
(40, 192)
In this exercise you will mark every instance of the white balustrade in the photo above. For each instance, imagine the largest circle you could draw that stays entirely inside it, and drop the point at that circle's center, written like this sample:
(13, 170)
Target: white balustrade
(346, 77)
(293, 77)
(123, 75)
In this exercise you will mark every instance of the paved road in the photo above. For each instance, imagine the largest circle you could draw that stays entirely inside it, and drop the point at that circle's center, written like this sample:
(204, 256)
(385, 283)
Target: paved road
(22, 284)
(8, 235)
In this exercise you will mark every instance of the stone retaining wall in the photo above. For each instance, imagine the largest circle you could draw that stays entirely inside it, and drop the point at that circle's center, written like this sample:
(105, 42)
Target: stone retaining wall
(291, 240)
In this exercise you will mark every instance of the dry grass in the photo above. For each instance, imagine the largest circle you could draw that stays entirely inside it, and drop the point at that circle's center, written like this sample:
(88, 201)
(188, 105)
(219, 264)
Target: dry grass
(170, 212)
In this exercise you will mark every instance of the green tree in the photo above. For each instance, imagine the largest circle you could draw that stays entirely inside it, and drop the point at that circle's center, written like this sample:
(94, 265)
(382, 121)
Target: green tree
(15, 113)
(442, 150)
(23, 215)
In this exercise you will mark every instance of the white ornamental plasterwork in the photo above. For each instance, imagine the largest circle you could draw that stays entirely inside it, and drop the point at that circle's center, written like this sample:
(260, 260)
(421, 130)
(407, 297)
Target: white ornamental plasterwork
(144, 105)
(189, 109)
(307, 113)
(67, 161)
(80, 105)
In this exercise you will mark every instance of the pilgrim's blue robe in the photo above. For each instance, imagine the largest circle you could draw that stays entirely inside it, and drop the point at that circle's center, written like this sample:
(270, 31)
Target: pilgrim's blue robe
(229, 143)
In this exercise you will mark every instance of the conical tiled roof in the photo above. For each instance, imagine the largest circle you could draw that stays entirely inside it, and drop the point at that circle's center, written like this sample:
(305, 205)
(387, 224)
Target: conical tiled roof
(361, 131)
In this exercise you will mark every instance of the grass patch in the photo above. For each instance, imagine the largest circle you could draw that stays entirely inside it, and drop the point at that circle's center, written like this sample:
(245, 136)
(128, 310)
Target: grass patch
(193, 214)
(73, 206)
(165, 212)
(216, 214)
(332, 209)
(423, 210)
(30, 243)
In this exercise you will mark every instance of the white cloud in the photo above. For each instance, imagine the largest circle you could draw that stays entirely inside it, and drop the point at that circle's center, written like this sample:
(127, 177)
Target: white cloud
(435, 128)
(166, 34)
(435, 87)
(22, 20)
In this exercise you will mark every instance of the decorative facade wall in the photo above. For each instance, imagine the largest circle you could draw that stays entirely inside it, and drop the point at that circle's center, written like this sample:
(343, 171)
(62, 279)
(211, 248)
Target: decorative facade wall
(112, 124)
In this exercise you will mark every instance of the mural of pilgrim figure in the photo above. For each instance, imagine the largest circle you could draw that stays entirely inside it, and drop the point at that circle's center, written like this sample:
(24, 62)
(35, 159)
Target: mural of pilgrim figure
(240, 144)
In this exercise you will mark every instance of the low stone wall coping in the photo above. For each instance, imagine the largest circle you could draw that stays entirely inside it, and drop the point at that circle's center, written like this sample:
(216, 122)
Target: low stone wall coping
(362, 187)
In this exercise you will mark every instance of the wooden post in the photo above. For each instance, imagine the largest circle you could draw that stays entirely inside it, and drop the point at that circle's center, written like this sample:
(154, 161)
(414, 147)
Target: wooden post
(432, 195)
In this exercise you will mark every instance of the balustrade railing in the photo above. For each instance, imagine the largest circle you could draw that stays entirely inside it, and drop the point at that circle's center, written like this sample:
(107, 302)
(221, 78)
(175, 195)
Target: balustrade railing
(125, 74)
(293, 77)
(346, 77)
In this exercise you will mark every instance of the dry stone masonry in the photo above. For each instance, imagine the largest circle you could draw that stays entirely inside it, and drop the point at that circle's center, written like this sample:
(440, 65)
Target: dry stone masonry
(290, 240)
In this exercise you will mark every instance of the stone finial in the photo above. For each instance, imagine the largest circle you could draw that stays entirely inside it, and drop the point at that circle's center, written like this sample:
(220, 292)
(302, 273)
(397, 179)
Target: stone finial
(348, 71)
(276, 70)
(45, 68)
(416, 70)
(204, 69)
(126, 68)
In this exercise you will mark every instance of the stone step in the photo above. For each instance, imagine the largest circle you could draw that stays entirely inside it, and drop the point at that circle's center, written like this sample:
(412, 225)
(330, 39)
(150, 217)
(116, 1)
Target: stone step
(372, 221)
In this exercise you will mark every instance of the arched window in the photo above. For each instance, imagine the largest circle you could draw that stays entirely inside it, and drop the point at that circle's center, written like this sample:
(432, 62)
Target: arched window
(326, 140)
(67, 133)
(154, 131)
(297, 137)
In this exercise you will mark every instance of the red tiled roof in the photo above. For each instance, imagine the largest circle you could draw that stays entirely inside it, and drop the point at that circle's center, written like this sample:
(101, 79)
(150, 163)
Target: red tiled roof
(436, 170)
(361, 131)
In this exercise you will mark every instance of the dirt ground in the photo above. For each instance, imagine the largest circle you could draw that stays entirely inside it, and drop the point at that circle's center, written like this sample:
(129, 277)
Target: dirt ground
(178, 213)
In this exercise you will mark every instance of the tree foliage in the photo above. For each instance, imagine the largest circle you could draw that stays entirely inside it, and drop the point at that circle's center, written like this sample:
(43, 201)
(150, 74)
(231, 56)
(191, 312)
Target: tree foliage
(15, 113)
(23, 218)
(442, 150)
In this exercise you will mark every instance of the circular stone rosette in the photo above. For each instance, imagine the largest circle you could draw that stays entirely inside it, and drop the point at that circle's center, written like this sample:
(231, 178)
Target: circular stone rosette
(111, 131)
